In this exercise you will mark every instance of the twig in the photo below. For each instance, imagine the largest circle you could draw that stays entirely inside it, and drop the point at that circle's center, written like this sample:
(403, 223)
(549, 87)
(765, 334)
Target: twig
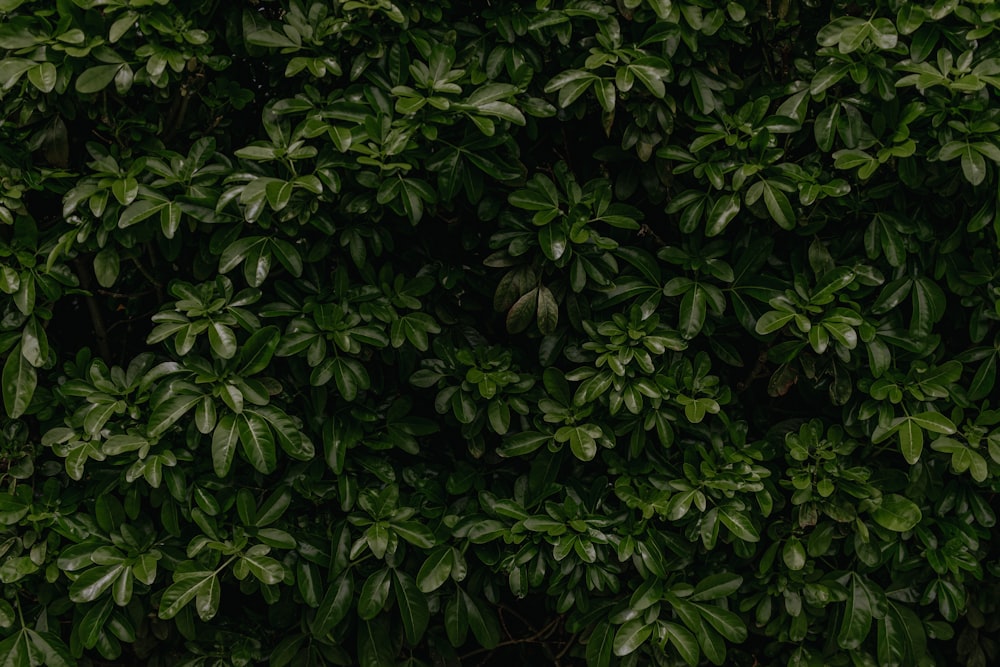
(647, 231)
(96, 319)
(566, 647)
(122, 295)
(130, 320)
(537, 638)
(528, 624)
(157, 285)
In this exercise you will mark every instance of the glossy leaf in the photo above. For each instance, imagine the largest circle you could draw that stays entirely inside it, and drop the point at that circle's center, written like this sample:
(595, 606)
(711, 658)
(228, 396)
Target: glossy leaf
(897, 513)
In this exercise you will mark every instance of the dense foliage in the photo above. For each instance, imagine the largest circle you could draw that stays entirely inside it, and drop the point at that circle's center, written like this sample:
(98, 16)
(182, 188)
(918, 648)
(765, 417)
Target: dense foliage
(583, 332)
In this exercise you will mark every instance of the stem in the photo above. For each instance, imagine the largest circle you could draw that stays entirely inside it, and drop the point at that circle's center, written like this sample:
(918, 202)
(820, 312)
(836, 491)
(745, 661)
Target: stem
(528, 624)
(157, 285)
(566, 647)
(20, 614)
(537, 638)
(646, 230)
(96, 318)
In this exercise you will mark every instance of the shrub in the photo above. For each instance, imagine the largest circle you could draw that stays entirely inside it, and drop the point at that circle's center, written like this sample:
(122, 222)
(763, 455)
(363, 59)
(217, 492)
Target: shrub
(586, 332)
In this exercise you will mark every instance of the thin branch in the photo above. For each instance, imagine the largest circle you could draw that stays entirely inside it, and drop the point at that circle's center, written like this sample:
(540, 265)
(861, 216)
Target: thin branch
(566, 647)
(122, 295)
(538, 638)
(96, 318)
(157, 285)
(528, 624)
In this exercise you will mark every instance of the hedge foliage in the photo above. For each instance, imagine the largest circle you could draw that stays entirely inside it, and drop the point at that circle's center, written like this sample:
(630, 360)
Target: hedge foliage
(585, 332)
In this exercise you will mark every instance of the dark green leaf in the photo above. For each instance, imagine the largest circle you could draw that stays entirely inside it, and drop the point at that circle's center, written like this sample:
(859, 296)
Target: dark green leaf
(374, 594)
(224, 441)
(334, 606)
(185, 588)
(19, 382)
(97, 78)
(169, 412)
(716, 586)
(258, 441)
(435, 570)
(739, 523)
(631, 636)
(897, 513)
(412, 605)
(857, 620)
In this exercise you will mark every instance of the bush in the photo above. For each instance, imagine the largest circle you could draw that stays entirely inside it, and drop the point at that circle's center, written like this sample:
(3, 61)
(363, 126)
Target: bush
(587, 332)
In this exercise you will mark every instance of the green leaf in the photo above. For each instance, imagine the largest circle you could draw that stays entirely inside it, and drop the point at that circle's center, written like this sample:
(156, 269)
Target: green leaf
(350, 377)
(435, 570)
(121, 589)
(258, 442)
(186, 587)
(900, 635)
(693, 310)
(553, 241)
(374, 594)
(911, 440)
(19, 382)
(631, 636)
(15, 569)
(224, 441)
(222, 340)
(984, 380)
(15, 651)
(857, 620)
(973, 166)
(412, 605)
(685, 643)
(106, 267)
(722, 213)
(716, 586)
(169, 412)
(207, 600)
(725, 622)
(779, 207)
(934, 422)
(10, 280)
(827, 77)
(521, 444)
(24, 297)
(374, 645)
(824, 129)
(928, 305)
(794, 554)
(292, 441)
(91, 626)
(482, 623)
(51, 649)
(600, 645)
(582, 440)
(415, 533)
(7, 614)
(772, 321)
(521, 314)
(34, 342)
(334, 606)
(271, 38)
(897, 513)
(264, 568)
(831, 282)
(257, 351)
(547, 311)
(97, 78)
(739, 523)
